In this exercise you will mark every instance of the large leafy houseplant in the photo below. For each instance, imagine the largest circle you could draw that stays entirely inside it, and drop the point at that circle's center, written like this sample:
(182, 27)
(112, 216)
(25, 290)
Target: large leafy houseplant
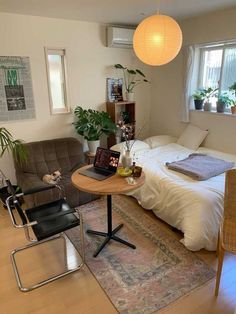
(92, 124)
(132, 77)
(10, 145)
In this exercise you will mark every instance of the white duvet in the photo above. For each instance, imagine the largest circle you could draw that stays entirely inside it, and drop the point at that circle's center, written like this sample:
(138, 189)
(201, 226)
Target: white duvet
(194, 207)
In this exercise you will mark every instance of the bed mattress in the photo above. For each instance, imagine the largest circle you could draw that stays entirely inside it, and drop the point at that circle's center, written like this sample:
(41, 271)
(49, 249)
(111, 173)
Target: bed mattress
(194, 207)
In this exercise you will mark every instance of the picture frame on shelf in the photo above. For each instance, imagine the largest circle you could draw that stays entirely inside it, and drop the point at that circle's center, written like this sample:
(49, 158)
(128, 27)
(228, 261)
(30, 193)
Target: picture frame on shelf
(114, 89)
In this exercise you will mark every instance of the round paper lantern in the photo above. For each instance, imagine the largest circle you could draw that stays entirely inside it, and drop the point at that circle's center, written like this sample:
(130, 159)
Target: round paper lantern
(157, 40)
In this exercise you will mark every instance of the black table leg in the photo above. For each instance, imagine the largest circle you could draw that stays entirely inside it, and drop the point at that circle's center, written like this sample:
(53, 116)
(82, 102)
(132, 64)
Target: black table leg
(110, 234)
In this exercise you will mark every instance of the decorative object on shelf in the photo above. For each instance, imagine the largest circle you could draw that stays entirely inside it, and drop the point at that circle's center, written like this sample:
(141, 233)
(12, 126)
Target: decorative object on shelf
(92, 125)
(223, 101)
(198, 97)
(114, 89)
(131, 80)
(157, 40)
(17, 101)
(232, 88)
(130, 96)
(19, 152)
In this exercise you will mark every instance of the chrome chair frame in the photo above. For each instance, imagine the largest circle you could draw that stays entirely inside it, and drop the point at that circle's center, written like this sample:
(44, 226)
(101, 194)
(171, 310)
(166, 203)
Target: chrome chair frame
(35, 242)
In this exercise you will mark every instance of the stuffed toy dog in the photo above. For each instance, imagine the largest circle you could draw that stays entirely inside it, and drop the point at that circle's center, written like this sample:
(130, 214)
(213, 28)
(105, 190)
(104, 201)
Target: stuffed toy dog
(53, 178)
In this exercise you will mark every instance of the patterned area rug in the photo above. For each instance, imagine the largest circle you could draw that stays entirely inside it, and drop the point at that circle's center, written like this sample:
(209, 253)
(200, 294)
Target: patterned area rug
(144, 280)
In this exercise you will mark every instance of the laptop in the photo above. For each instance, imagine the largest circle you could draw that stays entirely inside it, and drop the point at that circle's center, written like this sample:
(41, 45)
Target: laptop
(105, 164)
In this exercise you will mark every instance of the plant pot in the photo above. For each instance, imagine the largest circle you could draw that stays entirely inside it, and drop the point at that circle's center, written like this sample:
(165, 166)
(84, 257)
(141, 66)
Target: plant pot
(207, 106)
(198, 104)
(93, 145)
(233, 109)
(220, 106)
(4, 195)
(130, 96)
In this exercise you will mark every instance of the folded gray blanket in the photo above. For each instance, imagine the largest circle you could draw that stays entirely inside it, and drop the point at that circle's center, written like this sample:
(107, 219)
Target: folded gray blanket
(200, 166)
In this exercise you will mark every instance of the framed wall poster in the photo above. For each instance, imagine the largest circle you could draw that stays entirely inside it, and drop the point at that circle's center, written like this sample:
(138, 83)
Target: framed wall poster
(114, 89)
(16, 92)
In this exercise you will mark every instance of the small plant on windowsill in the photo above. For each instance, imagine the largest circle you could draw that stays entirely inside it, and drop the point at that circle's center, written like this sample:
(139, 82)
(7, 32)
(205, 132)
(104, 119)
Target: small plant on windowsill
(208, 93)
(198, 97)
(232, 88)
(223, 101)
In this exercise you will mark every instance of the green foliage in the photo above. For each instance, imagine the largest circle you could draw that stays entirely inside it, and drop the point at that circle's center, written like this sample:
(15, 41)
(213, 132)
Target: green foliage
(15, 146)
(233, 88)
(209, 92)
(130, 77)
(204, 93)
(225, 99)
(199, 94)
(92, 124)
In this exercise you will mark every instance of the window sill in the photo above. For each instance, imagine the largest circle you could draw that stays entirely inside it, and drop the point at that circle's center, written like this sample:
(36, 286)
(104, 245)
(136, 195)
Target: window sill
(225, 114)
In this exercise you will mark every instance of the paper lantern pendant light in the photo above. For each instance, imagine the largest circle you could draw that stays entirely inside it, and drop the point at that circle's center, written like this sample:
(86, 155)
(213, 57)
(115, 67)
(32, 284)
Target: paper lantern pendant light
(157, 40)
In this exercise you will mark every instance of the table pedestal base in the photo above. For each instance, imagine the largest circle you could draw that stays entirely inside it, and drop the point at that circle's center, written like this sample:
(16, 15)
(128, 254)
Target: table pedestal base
(110, 235)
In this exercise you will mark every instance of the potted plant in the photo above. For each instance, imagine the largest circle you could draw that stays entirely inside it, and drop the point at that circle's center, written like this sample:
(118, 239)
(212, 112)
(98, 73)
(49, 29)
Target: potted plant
(208, 93)
(19, 152)
(198, 97)
(92, 124)
(223, 101)
(132, 78)
(233, 89)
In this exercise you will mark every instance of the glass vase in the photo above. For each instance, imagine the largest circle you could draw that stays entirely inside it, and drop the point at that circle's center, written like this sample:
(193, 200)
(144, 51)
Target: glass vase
(126, 159)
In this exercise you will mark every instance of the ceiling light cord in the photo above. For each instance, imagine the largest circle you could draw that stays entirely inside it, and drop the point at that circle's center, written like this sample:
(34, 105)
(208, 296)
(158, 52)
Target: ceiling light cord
(158, 7)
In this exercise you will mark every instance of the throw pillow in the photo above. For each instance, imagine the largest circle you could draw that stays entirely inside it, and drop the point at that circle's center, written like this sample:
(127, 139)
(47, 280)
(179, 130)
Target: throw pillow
(192, 137)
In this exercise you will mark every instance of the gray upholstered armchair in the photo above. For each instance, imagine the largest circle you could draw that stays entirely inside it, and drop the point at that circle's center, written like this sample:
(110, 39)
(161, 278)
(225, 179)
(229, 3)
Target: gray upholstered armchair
(45, 157)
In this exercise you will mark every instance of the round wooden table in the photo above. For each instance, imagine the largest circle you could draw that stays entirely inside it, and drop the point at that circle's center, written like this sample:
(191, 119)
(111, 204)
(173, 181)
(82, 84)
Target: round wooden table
(112, 185)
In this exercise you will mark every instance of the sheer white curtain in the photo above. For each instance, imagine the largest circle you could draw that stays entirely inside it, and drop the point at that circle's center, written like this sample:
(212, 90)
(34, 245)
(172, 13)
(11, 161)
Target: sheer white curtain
(189, 57)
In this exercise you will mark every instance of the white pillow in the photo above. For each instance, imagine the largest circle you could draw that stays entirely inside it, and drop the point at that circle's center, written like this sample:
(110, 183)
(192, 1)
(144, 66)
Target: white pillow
(192, 137)
(160, 140)
(138, 145)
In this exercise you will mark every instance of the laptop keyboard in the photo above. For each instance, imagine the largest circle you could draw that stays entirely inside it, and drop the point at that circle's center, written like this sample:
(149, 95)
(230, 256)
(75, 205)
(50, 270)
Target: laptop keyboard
(99, 171)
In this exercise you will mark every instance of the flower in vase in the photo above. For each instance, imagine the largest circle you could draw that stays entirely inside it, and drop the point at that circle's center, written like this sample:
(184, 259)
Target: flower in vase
(126, 132)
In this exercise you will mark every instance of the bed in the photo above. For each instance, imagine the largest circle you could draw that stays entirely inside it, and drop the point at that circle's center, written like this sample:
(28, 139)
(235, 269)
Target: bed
(194, 207)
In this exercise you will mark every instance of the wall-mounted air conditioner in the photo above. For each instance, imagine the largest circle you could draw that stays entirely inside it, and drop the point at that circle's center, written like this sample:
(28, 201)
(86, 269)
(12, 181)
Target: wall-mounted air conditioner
(120, 37)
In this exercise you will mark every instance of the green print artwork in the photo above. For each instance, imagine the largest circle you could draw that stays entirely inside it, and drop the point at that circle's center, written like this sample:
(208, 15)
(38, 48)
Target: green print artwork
(12, 77)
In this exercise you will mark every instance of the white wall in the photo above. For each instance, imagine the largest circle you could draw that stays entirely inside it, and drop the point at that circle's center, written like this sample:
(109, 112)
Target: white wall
(167, 85)
(89, 63)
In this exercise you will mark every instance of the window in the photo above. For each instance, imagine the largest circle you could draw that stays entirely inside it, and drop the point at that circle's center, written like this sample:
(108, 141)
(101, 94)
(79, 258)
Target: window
(56, 71)
(217, 68)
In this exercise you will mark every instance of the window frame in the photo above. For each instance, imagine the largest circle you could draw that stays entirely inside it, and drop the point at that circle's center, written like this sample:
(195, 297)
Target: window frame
(210, 47)
(61, 52)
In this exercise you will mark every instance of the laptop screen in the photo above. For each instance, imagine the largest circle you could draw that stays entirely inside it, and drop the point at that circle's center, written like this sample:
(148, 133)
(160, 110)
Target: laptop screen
(106, 159)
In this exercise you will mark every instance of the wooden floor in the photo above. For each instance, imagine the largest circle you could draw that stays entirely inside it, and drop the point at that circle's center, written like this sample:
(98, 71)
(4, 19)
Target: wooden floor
(80, 292)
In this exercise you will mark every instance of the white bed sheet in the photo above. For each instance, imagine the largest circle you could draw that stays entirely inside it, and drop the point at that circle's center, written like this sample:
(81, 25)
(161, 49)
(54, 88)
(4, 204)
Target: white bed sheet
(194, 207)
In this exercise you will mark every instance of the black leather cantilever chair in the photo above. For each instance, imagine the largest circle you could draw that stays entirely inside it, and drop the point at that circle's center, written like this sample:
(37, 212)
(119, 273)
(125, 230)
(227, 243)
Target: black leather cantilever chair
(48, 222)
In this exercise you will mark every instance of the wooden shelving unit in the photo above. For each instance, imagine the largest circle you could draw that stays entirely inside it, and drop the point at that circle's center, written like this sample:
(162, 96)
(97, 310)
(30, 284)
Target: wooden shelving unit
(115, 109)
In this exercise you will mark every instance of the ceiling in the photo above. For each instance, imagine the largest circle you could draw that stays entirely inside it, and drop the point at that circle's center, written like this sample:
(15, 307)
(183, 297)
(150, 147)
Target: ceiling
(127, 12)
